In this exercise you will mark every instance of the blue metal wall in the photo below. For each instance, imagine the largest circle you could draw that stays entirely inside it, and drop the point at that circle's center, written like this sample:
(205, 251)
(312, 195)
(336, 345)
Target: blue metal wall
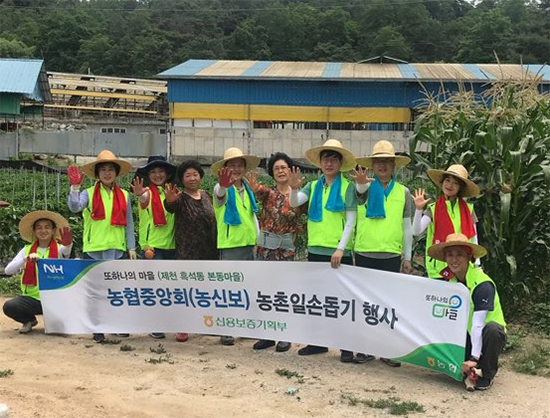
(306, 93)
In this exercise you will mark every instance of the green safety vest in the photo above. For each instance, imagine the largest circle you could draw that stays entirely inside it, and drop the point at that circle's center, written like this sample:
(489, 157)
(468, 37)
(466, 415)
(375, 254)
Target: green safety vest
(32, 291)
(474, 277)
(161, 236)
(328, 232)
(433, 266)
(234, 236)
(382, 235)
(101, 235)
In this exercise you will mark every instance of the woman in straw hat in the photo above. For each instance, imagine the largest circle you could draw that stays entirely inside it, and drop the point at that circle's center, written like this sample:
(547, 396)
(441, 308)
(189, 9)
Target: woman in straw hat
(486, 336)
(156, 225)
(450, 212)
(384, 213)
(106, 210)
(49, 236)
(332, 209)
(235, 208)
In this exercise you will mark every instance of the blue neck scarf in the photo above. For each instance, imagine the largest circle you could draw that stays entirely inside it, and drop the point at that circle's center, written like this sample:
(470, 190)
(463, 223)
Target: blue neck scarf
(334, 202)
(377, 197)
(231, 215)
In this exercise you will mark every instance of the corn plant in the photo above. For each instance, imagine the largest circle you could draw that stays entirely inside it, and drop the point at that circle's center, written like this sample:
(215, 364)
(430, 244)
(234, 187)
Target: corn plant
(503, 138)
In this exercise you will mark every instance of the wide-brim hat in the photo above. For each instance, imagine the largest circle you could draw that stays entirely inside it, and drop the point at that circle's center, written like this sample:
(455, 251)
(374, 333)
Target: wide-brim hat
(313, 155)
(232, 153)
(106, 156)
(26, 225)
(456, 170)
(437, 251)
(155, 161)
(383, 149)
(4, 204)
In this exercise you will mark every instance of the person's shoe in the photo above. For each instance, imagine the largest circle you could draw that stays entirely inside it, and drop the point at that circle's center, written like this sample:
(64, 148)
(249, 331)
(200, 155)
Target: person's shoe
(361, 358)
(311, 349)
(27, 327)
(346, 356)
(122, 335)
(263, 344)
(98, 338)
(390, 362)
(483, 383)
(282, 346)
(157, 335)
(182, 337)
(227, 340)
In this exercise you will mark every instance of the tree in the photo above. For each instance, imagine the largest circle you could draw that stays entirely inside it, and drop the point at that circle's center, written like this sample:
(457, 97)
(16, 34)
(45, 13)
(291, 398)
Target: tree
(15, 49)
(388, 41)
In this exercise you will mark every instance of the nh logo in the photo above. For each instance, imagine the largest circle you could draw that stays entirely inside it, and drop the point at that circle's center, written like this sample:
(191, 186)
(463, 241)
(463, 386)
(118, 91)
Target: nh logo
(52, 268)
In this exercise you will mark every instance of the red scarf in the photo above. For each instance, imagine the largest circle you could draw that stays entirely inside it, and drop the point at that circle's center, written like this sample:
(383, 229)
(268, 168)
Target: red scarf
(159, 218)
(118, 214)
(29, 276)
(443, 226)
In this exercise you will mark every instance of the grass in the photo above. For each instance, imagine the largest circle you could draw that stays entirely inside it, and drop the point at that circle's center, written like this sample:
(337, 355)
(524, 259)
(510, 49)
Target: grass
(288, 374)
(126, 347)
(6, 373)
(392, 404)
(167, 358)
(535, 360)
(158, 350)
(9, 286)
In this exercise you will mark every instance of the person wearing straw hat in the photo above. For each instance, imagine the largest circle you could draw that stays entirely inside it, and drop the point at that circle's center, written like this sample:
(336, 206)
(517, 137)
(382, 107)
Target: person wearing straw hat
(106, 210)
(48, 236)
(384, 232)
(332, 209)
(486, 335)
(235, 209)
(450, 213)
(156, 225)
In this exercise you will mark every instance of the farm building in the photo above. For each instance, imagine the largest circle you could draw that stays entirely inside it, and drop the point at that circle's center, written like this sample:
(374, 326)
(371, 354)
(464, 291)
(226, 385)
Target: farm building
(264, 106)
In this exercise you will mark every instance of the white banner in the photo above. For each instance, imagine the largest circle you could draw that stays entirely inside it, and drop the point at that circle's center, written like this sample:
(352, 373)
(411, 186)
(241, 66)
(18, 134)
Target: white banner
(413, 319)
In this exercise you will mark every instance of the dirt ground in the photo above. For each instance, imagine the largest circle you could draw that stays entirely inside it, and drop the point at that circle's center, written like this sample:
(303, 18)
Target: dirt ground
(69, 376)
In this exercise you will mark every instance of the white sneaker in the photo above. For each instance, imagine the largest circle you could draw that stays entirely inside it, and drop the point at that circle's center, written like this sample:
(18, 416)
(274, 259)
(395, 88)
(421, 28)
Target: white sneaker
(27, 327)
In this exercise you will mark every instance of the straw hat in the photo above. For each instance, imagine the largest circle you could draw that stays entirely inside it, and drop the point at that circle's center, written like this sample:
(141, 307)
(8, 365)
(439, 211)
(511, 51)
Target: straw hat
(230, 154)
(4, 204)
(27, 223)
(156, 161)
(383, 149)
(437, 251)
(106, 156)
(458, 171)
(313, 155)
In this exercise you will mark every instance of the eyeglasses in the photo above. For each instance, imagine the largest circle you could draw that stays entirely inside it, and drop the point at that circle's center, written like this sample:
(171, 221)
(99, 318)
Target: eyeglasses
(280, 168)
(330, 160)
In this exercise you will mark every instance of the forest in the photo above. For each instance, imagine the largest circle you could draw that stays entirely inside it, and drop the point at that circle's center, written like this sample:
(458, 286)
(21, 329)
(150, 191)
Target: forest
(140, 38)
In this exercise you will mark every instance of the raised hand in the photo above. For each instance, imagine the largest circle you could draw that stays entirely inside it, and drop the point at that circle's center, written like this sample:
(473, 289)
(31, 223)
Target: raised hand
(294, 178)
(226, 178)
(33, 257)
(137, 186)
(252, 181)
(419, 200)
(171, 192)
(75, 176)
(66, 236)
(361, 176)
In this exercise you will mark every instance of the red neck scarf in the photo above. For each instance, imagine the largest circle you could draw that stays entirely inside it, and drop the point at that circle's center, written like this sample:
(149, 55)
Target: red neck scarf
(159, 218)
(118, 214)
(443, 226)
(29, 276)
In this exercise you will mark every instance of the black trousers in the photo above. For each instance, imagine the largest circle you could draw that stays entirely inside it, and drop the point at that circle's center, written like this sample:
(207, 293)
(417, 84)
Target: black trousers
(494, 340)
(392, 264)
(23, 309)
(326, 258)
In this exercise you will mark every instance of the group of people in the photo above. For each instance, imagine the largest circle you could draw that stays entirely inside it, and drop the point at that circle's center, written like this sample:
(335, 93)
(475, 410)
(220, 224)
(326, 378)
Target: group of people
(367, 220)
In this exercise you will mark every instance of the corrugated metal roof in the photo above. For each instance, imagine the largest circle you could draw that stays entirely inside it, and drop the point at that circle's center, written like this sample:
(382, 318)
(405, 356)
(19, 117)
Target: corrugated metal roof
(268, 70)
(20, 76)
